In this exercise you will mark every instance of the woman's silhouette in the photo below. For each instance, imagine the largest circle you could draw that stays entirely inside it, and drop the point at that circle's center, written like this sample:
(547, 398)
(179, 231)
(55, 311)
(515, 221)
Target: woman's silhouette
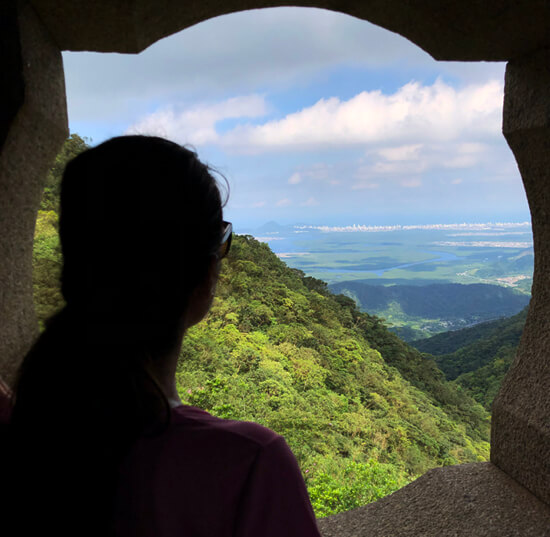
(99, 442)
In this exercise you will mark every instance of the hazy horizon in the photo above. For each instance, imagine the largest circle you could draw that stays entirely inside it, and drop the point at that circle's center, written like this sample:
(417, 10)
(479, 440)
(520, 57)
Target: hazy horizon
(428, 222)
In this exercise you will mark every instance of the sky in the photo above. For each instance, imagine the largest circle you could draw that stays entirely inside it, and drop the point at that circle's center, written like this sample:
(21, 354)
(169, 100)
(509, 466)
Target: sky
(313, 117)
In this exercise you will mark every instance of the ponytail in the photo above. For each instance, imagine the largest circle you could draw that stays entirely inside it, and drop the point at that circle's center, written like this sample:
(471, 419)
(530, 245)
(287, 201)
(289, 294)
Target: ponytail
(79, 408)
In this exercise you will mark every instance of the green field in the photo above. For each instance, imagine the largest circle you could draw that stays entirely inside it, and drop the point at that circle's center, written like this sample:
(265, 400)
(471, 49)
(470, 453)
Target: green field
(414, 257)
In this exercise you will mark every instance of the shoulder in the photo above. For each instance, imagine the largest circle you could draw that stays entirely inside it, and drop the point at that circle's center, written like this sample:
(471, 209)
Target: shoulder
(189, 418)
(269, 458)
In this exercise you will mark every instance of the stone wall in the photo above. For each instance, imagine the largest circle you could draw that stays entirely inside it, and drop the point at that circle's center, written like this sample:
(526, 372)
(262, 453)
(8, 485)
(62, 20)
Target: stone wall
(35, 128)
(520, 442)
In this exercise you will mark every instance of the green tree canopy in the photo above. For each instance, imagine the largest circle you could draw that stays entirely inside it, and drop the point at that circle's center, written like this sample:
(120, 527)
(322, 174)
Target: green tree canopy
(74, 145)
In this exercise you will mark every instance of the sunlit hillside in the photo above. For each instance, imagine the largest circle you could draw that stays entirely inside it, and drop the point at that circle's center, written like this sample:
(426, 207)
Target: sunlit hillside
(363, 412)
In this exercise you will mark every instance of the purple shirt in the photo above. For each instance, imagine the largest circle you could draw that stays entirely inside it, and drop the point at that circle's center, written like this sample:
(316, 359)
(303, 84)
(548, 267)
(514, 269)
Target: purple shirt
(211, 477)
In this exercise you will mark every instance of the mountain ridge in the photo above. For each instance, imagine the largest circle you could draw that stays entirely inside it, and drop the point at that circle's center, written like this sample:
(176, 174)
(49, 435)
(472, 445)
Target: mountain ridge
(479, 356)
(415, 310)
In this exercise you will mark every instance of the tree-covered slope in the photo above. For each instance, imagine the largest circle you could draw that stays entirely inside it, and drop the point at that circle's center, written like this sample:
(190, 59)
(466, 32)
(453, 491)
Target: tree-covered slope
(363, 411)
(484, 383)
(450, 342)
(440, 300)
(480, 350)
(478, 357)
(421, 310)
(47, 251)
(281, 350)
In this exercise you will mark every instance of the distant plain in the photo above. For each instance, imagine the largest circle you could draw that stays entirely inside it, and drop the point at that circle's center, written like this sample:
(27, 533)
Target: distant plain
(412, 257)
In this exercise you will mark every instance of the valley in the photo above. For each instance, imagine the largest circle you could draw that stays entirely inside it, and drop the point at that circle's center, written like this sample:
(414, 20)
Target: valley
(408, 275)
(479, 357)
(417, 311)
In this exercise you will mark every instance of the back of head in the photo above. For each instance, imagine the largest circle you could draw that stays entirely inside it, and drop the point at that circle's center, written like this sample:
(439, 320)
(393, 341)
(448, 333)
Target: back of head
(141, 218)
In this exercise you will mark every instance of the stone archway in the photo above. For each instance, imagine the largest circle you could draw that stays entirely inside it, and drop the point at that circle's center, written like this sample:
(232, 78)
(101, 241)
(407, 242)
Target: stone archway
(479, 499)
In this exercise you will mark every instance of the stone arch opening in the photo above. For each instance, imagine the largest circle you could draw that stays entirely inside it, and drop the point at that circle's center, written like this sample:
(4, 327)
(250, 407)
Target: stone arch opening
(34, 123)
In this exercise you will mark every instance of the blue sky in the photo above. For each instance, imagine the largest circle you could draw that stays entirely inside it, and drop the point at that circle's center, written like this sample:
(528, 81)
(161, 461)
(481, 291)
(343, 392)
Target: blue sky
(314, 117)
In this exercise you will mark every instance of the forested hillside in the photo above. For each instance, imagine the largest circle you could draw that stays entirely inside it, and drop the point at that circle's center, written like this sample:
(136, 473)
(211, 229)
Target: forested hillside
(507, 330)
(419, 311)
(363, 411)
(47, 252)
(477, 358)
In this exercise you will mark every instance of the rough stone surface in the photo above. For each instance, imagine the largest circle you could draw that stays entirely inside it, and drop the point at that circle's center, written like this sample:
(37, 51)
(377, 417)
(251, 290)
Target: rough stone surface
(520, 442)
(467, 500)
(11, 66)
(446, 29)
(36, 134)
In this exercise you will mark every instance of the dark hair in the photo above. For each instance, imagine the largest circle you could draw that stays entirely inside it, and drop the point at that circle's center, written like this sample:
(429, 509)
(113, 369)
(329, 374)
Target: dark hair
(140, 220)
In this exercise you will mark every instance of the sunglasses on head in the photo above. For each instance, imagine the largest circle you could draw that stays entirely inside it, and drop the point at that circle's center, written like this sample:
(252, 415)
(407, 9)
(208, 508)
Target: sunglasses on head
(225, 244)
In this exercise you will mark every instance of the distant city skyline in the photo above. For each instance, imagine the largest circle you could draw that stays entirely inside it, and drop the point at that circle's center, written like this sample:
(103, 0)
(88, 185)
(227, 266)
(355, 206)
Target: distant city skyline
(314, 117)
(501, 227)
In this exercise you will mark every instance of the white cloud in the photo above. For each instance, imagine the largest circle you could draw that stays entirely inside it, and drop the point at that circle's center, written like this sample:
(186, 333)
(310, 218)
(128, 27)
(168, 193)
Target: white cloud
(197, 125)
(402, 152)
(310, 202)
(285, 202)
(466, 155)
(365, 186)
(399, 167)
(409, 118)
(258, 204)
(411, 183)
(318, 171)
(416, 161)
(294, 179)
